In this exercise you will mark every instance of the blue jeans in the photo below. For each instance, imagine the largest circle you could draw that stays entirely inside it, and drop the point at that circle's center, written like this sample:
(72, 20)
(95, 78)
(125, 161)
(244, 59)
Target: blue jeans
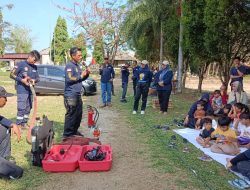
(124, 90)
(106, 92)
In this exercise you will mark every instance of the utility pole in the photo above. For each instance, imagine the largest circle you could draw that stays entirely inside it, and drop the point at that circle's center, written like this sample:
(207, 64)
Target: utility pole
(180, 54)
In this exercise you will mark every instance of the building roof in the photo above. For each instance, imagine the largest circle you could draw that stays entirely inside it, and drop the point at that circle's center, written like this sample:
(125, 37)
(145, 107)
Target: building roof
(14, 56)
(123, 56)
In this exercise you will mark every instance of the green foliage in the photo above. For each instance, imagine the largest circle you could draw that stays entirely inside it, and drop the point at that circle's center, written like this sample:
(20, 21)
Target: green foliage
(60, 43)
(98, 53)
(79, 41)
(19, 40)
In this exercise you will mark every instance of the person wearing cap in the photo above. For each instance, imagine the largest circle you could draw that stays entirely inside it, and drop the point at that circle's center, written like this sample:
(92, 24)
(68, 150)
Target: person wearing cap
(124, 75)
(25, 73)
(144, 78)
(134, 76)
(163, 81)
(7, 169)
(107, 75)
(73, 92)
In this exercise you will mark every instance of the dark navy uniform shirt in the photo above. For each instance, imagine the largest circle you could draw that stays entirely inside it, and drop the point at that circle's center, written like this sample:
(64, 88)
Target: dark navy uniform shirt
(107, 73)
(21, 70)
(135, 73)
(165, 75)
(73, 80)
(144, 75)
(124, 74)
(234, 72)
(5, 122)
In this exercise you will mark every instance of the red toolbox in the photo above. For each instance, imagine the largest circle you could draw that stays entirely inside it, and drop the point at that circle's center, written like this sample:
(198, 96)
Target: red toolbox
(91, 166)
(62, 158)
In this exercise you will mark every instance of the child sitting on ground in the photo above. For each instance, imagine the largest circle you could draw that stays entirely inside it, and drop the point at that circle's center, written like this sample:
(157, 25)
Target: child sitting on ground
(205, 135)
(199, 114)
(217, 102)
(227, 108)
(224, 143)
(244, 129)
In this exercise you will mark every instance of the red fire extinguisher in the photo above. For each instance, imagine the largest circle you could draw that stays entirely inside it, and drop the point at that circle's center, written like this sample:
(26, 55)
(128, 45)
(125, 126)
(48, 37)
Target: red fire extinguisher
(93, 115)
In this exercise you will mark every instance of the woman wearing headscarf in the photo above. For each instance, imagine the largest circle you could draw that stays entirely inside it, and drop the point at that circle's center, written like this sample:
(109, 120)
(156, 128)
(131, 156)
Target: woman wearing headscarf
(190, 120)
(237, 95)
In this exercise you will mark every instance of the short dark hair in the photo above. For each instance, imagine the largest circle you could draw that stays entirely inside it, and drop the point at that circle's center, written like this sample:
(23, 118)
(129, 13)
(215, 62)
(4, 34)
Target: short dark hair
(36, 54)
(207, 120)
(245, 116)
(239, 105)
(216, 92)
(224, 121)
(201, 102)
(237, 57)
(228, 106)
(74, 50)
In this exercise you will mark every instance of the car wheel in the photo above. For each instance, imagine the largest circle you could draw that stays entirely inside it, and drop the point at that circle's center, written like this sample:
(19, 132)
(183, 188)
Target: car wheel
(84, 91)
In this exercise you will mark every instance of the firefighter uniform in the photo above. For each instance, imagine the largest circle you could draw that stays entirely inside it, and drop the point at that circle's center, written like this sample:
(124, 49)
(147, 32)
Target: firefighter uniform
(72, 98)
(134, 78)
(24, 94)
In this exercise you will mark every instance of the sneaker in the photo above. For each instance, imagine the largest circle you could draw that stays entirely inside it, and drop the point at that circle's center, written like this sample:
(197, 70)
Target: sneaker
(239, 183)
(134, 112)
(142, 112)
(164, 113)
(103, 105)
(123, 100)
(186, 150)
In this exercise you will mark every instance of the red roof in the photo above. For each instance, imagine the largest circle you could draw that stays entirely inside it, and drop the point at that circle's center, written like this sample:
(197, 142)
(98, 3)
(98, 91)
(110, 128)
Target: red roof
(14, 56)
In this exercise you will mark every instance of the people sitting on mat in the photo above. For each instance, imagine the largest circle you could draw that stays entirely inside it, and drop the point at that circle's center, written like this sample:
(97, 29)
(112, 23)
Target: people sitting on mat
(199, 113)
(210, 115)
(189, 119)
(205, 135)
(8, 168)
(216, 102)
(235, 112)
(224, 138)
(237, 95)
(226, 109)
(240, 163)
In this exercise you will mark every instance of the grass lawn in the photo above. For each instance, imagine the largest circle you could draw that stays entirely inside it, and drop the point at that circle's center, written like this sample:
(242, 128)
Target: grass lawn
(173, 162)
(207, 175)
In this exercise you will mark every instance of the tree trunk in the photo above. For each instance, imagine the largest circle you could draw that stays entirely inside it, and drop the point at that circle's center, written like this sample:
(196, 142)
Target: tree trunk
(161, 47)
(201, 77)
(185, 72)
(202, 71)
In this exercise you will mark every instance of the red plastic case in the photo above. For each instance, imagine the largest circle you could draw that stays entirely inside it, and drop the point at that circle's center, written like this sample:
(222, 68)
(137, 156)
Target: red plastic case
(67, 162)
(95, 166)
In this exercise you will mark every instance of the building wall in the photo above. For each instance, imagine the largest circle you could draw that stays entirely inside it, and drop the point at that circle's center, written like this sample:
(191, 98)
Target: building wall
(45, 59)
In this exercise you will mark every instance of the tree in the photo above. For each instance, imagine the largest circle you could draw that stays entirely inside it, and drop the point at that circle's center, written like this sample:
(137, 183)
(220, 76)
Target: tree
(60, 43)
(19, 40)
(80, 41)
(227, 32)
(98, 53)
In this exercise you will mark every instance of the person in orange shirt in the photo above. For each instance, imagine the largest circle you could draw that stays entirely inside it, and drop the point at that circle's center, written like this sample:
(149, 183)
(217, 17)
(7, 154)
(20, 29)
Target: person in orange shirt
(224, 143)
(199, 114)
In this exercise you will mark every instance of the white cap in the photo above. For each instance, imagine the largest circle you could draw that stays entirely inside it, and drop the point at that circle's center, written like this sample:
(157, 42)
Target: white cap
(165, 63)
(144, 62)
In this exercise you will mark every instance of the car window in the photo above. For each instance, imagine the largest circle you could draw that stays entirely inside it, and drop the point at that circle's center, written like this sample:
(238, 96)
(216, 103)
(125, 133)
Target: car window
(40, 70)
(55, 72)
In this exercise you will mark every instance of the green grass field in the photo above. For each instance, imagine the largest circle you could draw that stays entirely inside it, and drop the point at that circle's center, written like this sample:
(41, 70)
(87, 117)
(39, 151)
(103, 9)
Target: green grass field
(179, 166)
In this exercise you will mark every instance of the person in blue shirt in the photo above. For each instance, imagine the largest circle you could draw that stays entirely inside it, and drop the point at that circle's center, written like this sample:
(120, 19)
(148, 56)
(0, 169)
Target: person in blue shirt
(134, 76)
(163, 81)
(73, 92)
(144, 78)
(7, 168)
(124, 75)
(25, 74)
(107, 75)
(237, 71)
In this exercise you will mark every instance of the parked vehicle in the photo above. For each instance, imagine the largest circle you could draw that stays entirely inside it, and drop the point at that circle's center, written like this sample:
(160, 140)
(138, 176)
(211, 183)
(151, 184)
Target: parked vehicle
(52, 81)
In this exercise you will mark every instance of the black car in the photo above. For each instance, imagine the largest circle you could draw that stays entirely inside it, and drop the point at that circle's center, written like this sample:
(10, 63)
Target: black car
(52, 81)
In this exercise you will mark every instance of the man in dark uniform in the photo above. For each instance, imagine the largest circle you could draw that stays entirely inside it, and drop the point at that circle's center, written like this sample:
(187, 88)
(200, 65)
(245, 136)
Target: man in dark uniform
(237, 71)
(107, 75)
(124, 76)
(72, 93)
(144, 76)
(25, 73)
(134, 76)
(7, 168)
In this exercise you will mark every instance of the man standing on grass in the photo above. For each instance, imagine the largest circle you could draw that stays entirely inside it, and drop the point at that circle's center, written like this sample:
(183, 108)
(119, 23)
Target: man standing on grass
(124, 76)
(73, 92)
(7, 168)
(107, 75)
(237, 71)
(134, 77)
(25, 73)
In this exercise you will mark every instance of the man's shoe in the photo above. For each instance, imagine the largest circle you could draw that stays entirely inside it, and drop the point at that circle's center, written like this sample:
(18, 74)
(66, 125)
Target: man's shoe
(103, 106)
(165, 113)
(134, 112)
(142, 112)
(123, 100)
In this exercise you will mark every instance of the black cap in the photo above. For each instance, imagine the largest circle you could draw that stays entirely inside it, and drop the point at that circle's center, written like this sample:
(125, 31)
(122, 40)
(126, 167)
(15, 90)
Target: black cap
(4, 93)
